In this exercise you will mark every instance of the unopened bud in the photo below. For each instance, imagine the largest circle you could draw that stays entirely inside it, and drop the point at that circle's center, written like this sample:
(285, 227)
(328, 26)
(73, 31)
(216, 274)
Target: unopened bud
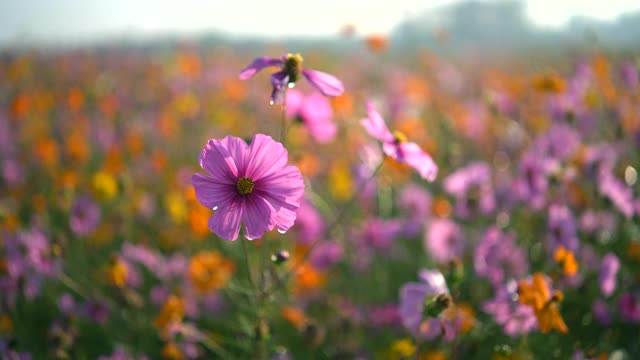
(434, 306)
(280, 257)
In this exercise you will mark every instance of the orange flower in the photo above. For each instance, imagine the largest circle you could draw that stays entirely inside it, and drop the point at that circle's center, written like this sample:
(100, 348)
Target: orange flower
(567, 259)
(307, 278)
(377, 43)
(210, 271)
(295, 316)
(172, 351)
(172, 312)
(6, 325)
(545, 306)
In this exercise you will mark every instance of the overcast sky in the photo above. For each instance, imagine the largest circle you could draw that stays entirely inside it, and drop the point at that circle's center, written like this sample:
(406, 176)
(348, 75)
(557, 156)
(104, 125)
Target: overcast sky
(72, 20)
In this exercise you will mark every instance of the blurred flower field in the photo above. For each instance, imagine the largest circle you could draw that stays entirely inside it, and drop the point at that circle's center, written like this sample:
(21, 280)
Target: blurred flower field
(416, 206)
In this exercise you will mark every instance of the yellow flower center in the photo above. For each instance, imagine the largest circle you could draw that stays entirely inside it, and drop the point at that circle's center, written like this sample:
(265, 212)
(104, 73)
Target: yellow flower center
(292, 66)
(245, 186)
(399, 137)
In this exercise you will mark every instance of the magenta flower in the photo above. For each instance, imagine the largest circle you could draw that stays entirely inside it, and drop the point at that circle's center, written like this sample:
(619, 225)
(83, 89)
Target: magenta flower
(290, 71)
(315, 112)
(608, 273)
(396, 145)
(248, 183)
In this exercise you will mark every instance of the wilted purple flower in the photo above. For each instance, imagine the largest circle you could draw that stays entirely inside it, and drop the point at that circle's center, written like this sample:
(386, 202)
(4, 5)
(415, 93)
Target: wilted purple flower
(291, 69)
(315, 112)
(471, 186)
(498, 258)
(85, 216)
(617, 192)
(397, 146)
(412, 302)
(444, 240)
(608, 272)
(629, 307)
(309, 226)
(562, 229)
(515, 318)
(326, 254)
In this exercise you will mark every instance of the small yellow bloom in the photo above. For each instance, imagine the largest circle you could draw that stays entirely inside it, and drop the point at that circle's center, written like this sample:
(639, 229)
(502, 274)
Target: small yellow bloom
(172, 352)
(105, 185)
(340, 181)
(176, 206)
(402, 349)
(117, 272)
(172, 312)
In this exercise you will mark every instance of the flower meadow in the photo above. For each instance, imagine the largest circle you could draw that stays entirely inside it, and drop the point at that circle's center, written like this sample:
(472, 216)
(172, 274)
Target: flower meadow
(221, 202)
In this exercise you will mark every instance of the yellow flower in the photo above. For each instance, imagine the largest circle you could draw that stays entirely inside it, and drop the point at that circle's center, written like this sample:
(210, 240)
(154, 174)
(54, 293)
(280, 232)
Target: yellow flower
(402, 349)
(210, 271)
(117, 272)
(176, 207)
(105, 185)
(340, 181)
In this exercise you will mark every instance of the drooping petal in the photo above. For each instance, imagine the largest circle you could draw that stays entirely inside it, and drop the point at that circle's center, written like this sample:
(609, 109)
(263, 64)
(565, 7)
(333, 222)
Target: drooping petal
(257, 65)
(218, 161)
(279, 82)
(413, 156)
(327, 84)
(257, 216)
(225, 222)
(375, 126)
(266, 156)
(211, 193)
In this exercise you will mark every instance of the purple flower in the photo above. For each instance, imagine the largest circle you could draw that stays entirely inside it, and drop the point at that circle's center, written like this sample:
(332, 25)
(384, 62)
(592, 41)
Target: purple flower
(85, 216)
(384, 316)
(414, 202)
(629, 307)
(498, 258)
(290, 71)
(608, 272)
(532, 184)
(248, 183)
(630, 76)
(315, 113)
(471, 186)
(310, 226)
(444, 240)
(397, 146)
(601, 312)
(412, 302)
(326, 254)
(562, 229)
(617, 192)
(515, 318)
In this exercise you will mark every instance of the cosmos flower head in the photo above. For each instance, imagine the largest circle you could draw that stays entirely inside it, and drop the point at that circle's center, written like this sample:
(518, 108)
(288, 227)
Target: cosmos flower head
(315, 112)
(250, 184)
(397, 146)
(290, 71)
(413, 296)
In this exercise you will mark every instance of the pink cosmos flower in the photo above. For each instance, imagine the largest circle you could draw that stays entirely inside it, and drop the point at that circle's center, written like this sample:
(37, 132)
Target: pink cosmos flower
(396, 145)
(290, 71)
(248, 183)
(315, 113)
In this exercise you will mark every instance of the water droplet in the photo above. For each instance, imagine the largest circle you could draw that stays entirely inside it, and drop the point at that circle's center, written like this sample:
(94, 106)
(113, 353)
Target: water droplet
(630, 175)
(271, 102)
(215, 208)
(282, 231)
(291, 85)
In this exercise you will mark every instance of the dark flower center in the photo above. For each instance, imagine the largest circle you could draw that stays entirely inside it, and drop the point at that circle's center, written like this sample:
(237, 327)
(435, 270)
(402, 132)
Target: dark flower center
(245, 186)
(292, 66)
(399, 137)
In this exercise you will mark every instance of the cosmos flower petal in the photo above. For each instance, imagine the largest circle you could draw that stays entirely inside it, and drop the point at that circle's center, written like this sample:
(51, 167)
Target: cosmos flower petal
(284, 194)
(327, 84)
(218, 161)
(257, 216)
(279, 82)
(257, 65)
(419, 160)
(294, 101)
(225, 222)
(211, 193)
(266, 156)
(375, 126)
